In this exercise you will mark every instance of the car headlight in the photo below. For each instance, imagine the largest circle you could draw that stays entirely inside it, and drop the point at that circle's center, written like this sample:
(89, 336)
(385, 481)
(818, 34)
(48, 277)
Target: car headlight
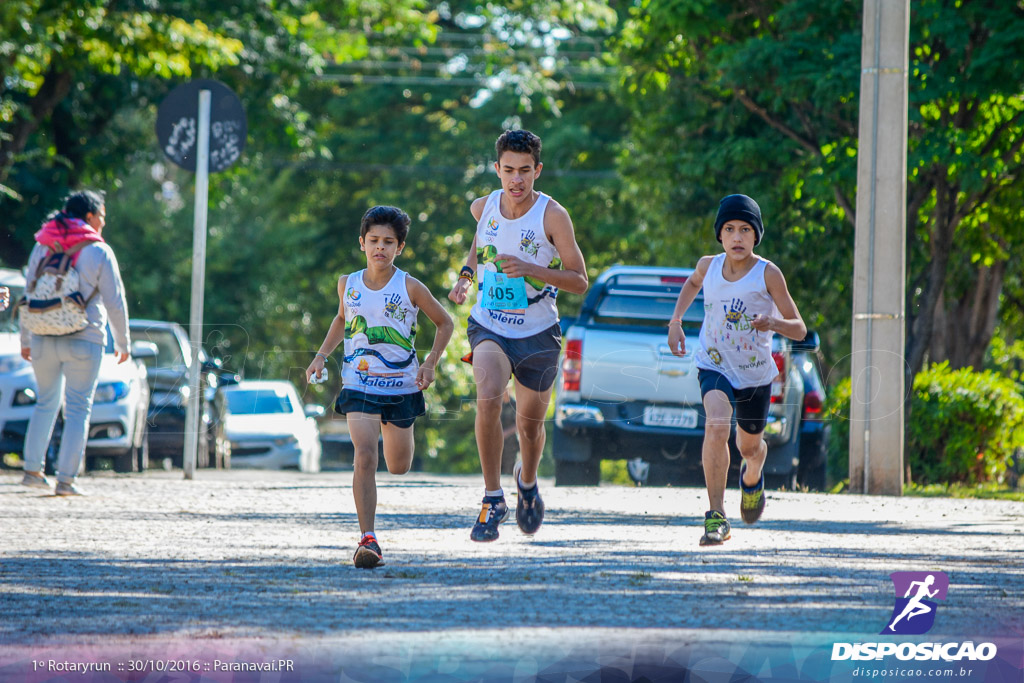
(284, 441)
(11, 364)
(24, 397)
(110, 392)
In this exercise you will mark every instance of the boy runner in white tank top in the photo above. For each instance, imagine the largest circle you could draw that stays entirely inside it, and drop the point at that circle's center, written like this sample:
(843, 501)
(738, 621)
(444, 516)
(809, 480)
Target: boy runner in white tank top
(523, 253)
(383, 382)
(745, 301)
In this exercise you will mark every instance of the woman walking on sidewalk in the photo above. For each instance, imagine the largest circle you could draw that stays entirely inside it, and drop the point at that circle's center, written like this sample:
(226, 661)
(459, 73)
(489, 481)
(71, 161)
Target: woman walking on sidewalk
(66, 366)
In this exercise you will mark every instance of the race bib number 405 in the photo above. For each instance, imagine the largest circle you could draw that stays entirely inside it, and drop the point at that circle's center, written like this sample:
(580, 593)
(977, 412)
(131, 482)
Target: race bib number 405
(501, 292)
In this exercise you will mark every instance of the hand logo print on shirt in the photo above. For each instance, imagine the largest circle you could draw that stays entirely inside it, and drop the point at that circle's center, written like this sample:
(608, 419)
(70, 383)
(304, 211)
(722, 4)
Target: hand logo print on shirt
(392, 308)
(527, 242)
(736, 312)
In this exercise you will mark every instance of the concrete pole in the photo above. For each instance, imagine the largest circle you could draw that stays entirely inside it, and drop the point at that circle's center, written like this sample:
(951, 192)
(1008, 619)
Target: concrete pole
(878, 367)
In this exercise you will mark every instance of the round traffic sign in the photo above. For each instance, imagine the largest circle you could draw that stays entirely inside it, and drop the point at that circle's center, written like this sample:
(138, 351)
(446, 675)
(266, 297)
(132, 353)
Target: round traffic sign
(177, 125)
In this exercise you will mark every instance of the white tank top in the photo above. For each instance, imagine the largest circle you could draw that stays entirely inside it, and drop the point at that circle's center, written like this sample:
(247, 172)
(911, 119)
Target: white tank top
(380, 330)
(728, 344)
(525, 238)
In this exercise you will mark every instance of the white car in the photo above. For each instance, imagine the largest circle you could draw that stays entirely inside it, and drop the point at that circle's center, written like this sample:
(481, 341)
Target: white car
(117, 426)
(263, 424)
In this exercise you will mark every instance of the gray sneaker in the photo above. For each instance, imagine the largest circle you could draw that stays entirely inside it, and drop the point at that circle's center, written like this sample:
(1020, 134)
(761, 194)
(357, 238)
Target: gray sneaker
(35, 480)
(67, 489)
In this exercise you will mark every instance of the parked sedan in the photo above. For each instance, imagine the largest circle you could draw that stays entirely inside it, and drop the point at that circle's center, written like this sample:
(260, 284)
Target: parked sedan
(169, 384)
(117, 425)
(263, 424)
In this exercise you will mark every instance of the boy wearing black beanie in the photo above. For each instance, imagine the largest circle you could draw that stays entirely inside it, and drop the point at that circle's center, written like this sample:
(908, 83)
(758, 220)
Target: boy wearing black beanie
(746, 301)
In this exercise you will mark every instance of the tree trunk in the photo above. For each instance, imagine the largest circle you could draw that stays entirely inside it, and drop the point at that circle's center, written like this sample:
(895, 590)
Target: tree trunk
(945, 220)
(971, 321)
(55, 88)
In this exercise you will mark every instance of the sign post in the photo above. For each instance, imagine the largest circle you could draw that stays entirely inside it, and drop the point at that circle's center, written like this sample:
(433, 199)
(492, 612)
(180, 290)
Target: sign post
(205, 138)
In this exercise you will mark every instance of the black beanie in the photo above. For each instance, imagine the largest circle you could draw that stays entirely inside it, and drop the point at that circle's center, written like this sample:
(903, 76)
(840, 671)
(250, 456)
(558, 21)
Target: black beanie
(739, 207)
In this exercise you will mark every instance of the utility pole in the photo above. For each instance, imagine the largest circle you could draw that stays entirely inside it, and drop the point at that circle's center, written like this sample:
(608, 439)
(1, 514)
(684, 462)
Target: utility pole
(878, 366)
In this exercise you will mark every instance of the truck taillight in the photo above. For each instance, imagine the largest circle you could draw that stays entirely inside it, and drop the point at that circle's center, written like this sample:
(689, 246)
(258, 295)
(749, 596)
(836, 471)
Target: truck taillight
(812, 404)
(780, 381)
(572, 365)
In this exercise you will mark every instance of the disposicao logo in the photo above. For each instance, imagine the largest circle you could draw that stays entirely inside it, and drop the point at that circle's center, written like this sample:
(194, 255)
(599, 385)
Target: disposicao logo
(914, 612)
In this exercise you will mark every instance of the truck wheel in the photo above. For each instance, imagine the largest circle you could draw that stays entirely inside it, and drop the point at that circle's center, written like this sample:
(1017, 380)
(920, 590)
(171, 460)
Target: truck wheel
(813, 468)
(125, 462)
(142, 450)
(812, 477)
(568, 473)
(781, 481)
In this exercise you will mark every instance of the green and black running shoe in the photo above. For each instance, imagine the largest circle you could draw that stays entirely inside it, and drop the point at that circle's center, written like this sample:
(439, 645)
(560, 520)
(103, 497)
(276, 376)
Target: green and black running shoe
(751, 499)
(716, 528)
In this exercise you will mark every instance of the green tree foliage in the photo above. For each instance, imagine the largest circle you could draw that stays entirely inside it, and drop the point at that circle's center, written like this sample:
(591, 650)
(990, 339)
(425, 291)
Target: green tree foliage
(965, 426)
(762, 98)
(360, 103)
(69, 69)
(349, 105)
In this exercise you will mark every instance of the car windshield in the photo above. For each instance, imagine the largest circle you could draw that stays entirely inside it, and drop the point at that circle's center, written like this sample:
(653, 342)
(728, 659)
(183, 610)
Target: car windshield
(259, 401)
(624, 302)
(8, 319)
(168, 351)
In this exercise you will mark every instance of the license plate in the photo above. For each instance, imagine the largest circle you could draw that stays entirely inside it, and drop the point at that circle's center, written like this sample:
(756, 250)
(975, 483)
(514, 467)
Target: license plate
(657, 416)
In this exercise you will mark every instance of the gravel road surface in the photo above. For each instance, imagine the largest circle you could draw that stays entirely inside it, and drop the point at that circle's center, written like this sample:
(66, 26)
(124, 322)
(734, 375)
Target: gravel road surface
(246, 560)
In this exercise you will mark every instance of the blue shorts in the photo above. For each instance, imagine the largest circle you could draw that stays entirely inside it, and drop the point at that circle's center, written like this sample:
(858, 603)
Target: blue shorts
(750, 405)
(400, 410)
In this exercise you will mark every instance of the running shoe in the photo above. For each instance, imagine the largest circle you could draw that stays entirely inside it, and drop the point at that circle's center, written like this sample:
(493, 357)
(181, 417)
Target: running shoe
(493, 513)
(529, 505)
(716, 528)
(368, 554)
(751, 499)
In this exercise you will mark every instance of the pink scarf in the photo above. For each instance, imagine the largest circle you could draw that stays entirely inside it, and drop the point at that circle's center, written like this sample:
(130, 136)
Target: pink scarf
(74, 231)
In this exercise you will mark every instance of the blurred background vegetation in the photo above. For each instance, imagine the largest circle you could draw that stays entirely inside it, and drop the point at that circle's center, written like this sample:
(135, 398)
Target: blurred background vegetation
(650, 111)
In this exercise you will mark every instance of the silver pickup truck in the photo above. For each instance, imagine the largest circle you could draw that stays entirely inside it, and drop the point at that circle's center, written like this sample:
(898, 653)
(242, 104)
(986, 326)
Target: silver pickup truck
(621, 394)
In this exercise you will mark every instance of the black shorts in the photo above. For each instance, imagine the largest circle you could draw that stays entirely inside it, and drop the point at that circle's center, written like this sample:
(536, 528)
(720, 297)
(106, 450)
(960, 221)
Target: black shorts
(534, 359)
(751, 405)
(400, 410)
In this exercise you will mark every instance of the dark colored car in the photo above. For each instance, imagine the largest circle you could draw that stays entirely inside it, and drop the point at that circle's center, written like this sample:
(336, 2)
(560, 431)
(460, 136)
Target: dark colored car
(812, 471)
(169, 385)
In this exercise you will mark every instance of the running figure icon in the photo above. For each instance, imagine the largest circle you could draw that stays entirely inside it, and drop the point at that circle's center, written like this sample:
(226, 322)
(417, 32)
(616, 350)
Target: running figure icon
(915, 607)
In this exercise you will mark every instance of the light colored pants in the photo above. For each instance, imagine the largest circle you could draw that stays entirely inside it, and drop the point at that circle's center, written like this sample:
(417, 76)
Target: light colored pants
(59, 362)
